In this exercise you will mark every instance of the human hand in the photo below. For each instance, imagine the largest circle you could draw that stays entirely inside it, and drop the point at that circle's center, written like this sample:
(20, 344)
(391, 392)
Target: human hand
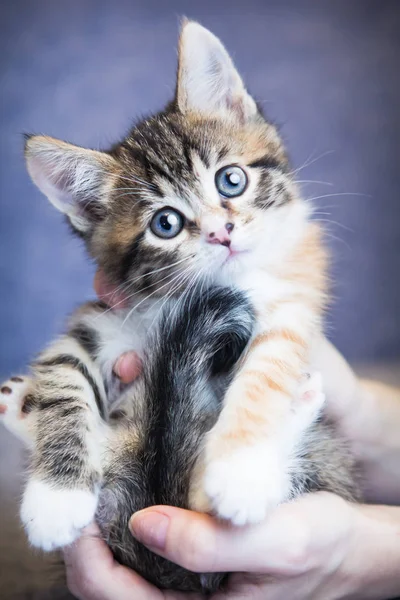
(93, 574)
(298, 553)
(368, 416)
(319, 547)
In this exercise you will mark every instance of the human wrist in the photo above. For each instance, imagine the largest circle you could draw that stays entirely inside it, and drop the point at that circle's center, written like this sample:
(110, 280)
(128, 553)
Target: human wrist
(371, 568)
(372, 425)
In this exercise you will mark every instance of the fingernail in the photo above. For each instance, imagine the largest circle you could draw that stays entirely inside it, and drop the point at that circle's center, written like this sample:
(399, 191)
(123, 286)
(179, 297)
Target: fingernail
(118, 365)
(150, 527)
(128, 367)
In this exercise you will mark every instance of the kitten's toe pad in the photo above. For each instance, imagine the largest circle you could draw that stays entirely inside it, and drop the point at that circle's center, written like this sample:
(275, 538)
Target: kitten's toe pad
(12, 395)
(311, 400)
(54, 518)
(245, 486)
(15, 403)
(311, 389)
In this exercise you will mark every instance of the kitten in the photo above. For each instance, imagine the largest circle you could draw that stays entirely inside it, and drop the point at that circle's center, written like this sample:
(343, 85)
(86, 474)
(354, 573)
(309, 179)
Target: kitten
(151, 451)
(200, 194)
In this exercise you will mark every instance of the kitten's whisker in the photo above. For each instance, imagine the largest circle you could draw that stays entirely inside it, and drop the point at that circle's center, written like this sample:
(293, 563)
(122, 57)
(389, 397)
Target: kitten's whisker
(338, 194)
(309, 162)
(150, 295)
(186, 292)
(184, 278)
(313, 181)
(330, 221)
(129, 297)
(161, 268)
(131, 282)
(337, 239)
(185, 274)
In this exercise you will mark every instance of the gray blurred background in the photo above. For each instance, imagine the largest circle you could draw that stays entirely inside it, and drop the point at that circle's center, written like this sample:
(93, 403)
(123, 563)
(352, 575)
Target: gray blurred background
(326, 72)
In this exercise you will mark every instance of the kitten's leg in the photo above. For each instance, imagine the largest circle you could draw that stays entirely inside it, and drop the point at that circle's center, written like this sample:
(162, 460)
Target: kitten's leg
(306, 411)
(71, 428)
(65, 473)
(249, 454)
(61, 412)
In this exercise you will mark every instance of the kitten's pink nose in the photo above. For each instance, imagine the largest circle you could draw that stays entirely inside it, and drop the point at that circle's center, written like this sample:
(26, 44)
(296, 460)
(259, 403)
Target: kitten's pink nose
(221, 236)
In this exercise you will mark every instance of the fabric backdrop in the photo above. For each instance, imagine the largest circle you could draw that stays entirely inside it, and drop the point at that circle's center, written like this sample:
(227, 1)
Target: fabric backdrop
(326, 72)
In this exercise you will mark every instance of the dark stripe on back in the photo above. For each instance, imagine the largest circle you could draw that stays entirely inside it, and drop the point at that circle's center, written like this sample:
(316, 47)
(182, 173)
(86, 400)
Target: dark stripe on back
(29, 403)
(87, 338)
(75, 363)
(46, 403)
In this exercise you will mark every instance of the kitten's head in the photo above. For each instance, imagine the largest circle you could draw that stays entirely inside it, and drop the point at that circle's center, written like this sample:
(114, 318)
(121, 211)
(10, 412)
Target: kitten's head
(200, 190)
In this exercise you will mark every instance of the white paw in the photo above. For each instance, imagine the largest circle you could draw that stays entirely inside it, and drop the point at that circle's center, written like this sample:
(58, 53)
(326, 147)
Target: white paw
(15, 405)
(52, 517)
(245, 486)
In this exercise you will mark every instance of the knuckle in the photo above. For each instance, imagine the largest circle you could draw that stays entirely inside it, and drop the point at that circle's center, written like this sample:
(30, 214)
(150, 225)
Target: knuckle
(197, 548)
(298, 555)
(83, 585)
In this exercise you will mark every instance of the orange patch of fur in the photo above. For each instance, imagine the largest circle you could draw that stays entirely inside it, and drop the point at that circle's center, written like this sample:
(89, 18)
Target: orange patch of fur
(254, 389)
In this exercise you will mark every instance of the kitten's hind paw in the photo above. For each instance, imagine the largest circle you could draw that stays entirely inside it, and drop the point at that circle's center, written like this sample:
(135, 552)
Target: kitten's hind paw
(54, 518)
(16, 402)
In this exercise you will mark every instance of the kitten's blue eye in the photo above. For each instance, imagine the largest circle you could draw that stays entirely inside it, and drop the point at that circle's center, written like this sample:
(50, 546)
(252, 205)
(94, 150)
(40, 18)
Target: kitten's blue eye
(231, 181)
(167, 223)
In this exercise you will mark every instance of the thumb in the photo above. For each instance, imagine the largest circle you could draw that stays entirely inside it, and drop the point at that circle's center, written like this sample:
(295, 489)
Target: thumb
(200, 543)
(286, 543)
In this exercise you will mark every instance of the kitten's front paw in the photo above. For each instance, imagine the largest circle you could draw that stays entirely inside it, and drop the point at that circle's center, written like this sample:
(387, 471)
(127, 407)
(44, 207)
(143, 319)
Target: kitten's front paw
(245, 486)
(308, 406)
(53, 517)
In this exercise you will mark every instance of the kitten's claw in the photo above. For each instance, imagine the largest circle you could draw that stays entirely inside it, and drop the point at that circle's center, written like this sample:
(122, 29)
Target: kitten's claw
(15, 403)
(245, 486)
(53, 517)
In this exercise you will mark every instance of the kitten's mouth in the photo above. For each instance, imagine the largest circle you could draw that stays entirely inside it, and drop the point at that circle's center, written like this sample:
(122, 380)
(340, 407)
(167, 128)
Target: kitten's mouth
(233, 253)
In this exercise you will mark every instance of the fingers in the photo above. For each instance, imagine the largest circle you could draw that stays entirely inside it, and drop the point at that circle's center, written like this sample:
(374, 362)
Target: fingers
(196, 541)
(106, 292)
(281, 545)
(340, 384)
(92, 573)
(128, 367)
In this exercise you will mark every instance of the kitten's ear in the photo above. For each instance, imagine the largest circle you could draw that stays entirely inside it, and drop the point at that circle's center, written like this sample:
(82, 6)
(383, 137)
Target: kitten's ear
(207, 79)
(74, 179)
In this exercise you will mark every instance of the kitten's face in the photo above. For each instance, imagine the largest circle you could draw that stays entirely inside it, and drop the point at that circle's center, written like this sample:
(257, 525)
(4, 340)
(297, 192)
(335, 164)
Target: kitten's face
(196, 199)
(201, 191)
